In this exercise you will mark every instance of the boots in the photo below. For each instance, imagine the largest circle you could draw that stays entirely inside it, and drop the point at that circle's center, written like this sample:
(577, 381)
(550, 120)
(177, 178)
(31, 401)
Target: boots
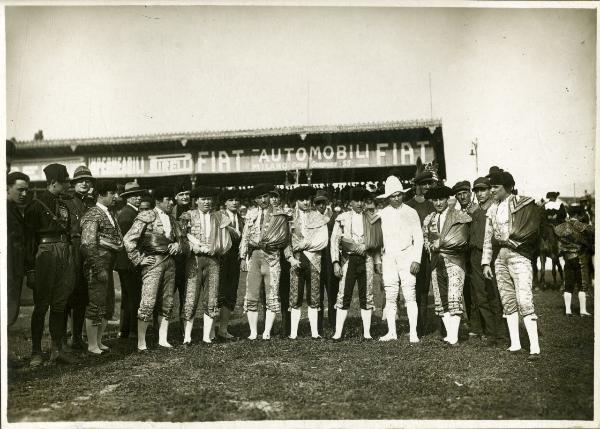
(295, 316)
(142, 327)
(531, 325)
(365, 315)
(567, 297)
(187, 334)
(207, 329)
(92, 334)
(513, 329)
(253, 322)
(101, 330)
(413, 314)
(269, 319)
(340, 318)
(163, 330)
(582, 305)
(389, 313)
(313, 318)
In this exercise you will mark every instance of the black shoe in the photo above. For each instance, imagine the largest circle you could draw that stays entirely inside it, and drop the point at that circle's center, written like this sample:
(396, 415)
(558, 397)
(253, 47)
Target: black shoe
(79, 345)
(187, 344)
(62, 357)
(142, 351)
(533, 357)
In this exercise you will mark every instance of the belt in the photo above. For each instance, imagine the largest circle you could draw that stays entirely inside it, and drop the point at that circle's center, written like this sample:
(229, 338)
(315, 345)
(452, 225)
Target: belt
(59, 238)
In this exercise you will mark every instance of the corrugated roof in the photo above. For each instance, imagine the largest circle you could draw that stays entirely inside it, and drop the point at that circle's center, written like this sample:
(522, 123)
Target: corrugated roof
(229, 134)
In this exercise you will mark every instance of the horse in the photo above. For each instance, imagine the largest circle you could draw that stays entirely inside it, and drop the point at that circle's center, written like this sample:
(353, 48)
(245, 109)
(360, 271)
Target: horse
(548, 248)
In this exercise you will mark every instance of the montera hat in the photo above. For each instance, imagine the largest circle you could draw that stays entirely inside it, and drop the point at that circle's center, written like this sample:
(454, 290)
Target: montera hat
(503, 178)
(204, 191)
(261, 189)
(302, 193)
(132, 189)
(102, 186)
(161, 192)
(463, 185)
(321, 196)
(392, 185)
(229, 194)
(439, 192)
(56, 172)
(82, 173)
(552, 194)
(184, 186)
(356, 194)
(481, 183)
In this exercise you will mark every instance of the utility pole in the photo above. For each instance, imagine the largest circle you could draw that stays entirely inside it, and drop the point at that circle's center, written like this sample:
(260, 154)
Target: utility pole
(474, 147)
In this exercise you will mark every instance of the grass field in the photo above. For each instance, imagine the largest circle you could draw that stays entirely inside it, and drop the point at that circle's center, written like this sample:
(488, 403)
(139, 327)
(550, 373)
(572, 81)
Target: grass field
(314, 379)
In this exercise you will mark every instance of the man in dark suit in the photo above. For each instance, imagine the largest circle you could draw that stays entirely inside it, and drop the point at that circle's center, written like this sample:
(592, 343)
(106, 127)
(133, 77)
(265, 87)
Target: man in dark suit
(129, 275)
(329, 282)
(17, 185)
(183, 203)
(230, 264)
(78, 204)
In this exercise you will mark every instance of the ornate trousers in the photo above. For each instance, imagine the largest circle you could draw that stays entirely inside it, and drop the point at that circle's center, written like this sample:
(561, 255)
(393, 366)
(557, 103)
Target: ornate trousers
(448, 280)
(158, 283)
(306, 278)
(263, 268)
(514, 275)
(202, 281)
(356, 269)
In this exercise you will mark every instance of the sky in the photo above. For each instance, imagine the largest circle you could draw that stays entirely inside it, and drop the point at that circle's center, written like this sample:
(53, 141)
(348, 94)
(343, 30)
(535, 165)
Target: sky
(520, 81)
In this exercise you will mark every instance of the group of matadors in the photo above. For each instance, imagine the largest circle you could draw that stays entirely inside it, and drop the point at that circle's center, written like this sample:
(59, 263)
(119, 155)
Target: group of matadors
(477, 257)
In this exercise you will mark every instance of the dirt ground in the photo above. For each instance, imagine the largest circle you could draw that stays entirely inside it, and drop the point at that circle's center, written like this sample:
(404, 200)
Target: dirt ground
(315, 379)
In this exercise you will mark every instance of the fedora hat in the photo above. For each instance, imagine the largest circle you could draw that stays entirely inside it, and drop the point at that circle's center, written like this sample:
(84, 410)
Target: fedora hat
(392, 185)
(132, 189)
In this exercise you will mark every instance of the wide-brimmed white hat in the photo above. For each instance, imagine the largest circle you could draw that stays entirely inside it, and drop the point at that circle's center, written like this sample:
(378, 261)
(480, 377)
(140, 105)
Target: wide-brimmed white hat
(392, 185)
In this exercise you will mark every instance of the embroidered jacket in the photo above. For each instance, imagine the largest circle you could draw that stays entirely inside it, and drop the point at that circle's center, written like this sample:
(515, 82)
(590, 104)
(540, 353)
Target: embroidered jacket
(574, 238)
(453, 239)
(345, 241)
(218, 242)
(522, 232)
(308, 233)
(272, 236)
(147, 237)
(97, 232)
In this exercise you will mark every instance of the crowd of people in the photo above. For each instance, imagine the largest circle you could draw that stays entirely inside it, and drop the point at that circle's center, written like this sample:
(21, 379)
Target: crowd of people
(297, 246)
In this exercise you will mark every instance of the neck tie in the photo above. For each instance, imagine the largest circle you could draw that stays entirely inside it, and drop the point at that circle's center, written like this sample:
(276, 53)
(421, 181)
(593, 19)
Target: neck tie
(439, 223)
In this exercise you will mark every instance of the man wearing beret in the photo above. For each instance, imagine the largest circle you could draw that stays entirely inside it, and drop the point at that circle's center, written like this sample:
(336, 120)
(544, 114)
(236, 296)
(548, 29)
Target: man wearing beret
(308, 238)
(230, 263)
(101, 240)
(356, 243)
(130, 276)
(265, 234)
(78, 204)
(511, 233)
(403, 244)
(49, 263)
(446, 236)
(151, 242)
(576, 242)
(209, 240)
(486, 290)
(423, 182)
